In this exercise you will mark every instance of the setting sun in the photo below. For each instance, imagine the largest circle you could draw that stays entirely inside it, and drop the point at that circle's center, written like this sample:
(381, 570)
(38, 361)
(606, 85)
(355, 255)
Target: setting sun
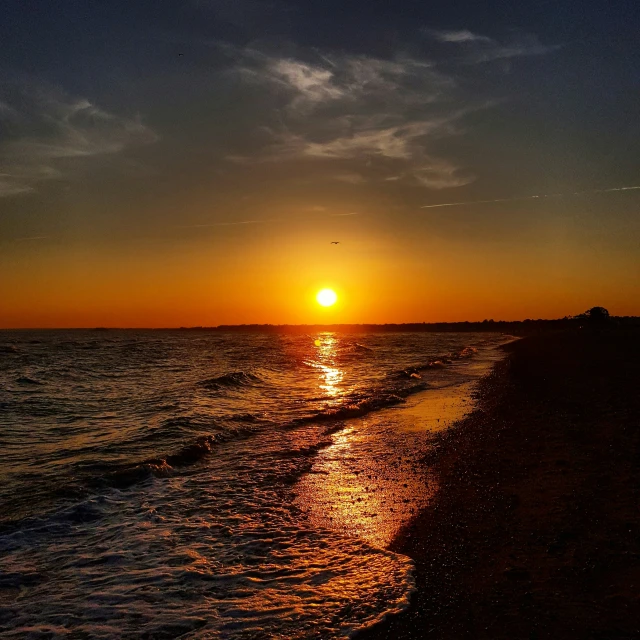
(326, 297)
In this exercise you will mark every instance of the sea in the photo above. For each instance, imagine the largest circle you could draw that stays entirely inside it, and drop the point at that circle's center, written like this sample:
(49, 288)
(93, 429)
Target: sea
(202, 484)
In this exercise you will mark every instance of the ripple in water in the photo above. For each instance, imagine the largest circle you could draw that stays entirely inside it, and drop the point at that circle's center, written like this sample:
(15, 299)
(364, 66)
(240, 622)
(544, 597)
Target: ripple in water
(239, 454)
(222, 551)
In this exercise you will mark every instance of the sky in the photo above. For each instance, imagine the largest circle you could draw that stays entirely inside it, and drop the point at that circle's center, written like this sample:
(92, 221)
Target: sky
(189, 162)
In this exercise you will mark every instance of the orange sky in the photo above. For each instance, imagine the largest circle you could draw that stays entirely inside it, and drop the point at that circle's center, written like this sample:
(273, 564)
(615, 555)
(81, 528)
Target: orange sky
(270, 273)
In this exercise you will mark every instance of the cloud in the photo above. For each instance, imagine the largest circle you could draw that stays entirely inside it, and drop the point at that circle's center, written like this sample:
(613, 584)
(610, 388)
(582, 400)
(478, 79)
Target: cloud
(379, 118)
(7, 112)
(221, 224)
(360, 110)
(353, 80)
(350, 178)
(400, 142)
(458, 36)
(49, 132)
(9, 186)
(542, 196)
(441, 174)
(312, 84)
(476, 48)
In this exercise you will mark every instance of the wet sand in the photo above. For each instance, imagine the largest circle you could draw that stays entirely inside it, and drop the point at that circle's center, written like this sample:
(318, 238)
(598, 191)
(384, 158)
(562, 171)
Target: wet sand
(370, 482)
(535, 529)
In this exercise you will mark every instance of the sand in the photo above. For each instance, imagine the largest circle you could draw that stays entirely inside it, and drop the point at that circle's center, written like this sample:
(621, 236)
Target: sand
(370, 481)
(535, 528)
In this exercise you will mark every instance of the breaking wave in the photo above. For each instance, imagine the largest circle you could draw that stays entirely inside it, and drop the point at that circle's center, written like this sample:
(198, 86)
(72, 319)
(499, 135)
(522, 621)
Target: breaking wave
(234, 379)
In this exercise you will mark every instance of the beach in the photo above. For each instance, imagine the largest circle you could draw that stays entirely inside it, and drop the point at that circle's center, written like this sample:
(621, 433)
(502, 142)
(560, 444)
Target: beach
(245, 486)
(534, 530)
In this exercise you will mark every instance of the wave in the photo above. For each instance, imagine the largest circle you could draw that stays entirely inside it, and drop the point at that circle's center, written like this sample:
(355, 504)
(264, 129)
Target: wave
(126, 477)
(9, 349)
(187, 455)
(439, 362)
(163, 465)
(245, 417)
(233, 379)
(414, 372)
(193, 452)
(80, 344)
(362, 406)
(169, 427)
(27, 380)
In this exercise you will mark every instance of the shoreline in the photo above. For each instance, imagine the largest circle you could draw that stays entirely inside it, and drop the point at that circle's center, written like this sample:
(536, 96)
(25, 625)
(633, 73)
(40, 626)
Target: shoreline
(534, 530)
(368, 482)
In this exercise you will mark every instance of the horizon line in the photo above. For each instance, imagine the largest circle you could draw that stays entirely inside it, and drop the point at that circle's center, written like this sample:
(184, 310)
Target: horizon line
(222, 327)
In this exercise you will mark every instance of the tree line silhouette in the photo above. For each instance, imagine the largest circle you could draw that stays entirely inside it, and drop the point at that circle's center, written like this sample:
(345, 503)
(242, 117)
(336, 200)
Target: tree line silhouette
(595, 317)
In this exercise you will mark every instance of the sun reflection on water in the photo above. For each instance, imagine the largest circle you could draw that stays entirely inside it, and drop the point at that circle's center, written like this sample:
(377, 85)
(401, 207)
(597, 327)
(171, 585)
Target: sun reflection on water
(362, 488)
(326, 353)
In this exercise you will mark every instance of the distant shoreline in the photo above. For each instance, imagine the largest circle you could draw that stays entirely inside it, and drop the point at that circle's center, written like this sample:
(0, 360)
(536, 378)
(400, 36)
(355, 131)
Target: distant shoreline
(516, 327)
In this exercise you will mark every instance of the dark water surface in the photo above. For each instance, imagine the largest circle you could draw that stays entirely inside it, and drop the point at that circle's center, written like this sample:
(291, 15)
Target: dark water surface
(210, 485)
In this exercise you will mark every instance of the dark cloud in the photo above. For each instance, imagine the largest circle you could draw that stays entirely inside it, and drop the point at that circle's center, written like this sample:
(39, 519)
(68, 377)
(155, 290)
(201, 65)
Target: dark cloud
(48, 132)
(363, 109)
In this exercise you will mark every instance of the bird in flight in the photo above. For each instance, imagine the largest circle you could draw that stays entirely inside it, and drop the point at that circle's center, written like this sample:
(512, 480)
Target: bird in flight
(334, 243)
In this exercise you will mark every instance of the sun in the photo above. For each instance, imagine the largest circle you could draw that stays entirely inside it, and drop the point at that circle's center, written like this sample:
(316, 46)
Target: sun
(326, 297)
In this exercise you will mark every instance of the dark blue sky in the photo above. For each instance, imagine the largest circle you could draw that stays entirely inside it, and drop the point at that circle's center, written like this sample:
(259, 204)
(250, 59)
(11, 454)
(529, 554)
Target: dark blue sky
(581, 94)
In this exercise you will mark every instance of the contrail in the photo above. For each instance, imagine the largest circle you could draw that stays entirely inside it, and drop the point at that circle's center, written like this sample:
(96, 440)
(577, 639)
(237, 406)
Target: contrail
(538, 197)
(219, 224)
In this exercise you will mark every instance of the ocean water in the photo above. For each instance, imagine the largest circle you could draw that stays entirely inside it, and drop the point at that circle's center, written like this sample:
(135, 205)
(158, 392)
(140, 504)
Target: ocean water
(216, 485)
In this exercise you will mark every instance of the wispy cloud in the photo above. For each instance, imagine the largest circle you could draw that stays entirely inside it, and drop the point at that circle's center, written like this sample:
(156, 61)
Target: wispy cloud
(375, 116)
(359, 109)
(7, 112)
(11, 185)
(543, 196)
(320, 79)
(349, 178)
(437, 173)
(221, 224)
(312, 84)
(396, 143)
(463, 35)
(475, 48)
(50, 131)
(403, 144)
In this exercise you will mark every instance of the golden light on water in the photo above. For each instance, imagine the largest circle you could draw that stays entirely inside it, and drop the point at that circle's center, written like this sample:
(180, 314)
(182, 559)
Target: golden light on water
(331, 376)
(326, 297)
